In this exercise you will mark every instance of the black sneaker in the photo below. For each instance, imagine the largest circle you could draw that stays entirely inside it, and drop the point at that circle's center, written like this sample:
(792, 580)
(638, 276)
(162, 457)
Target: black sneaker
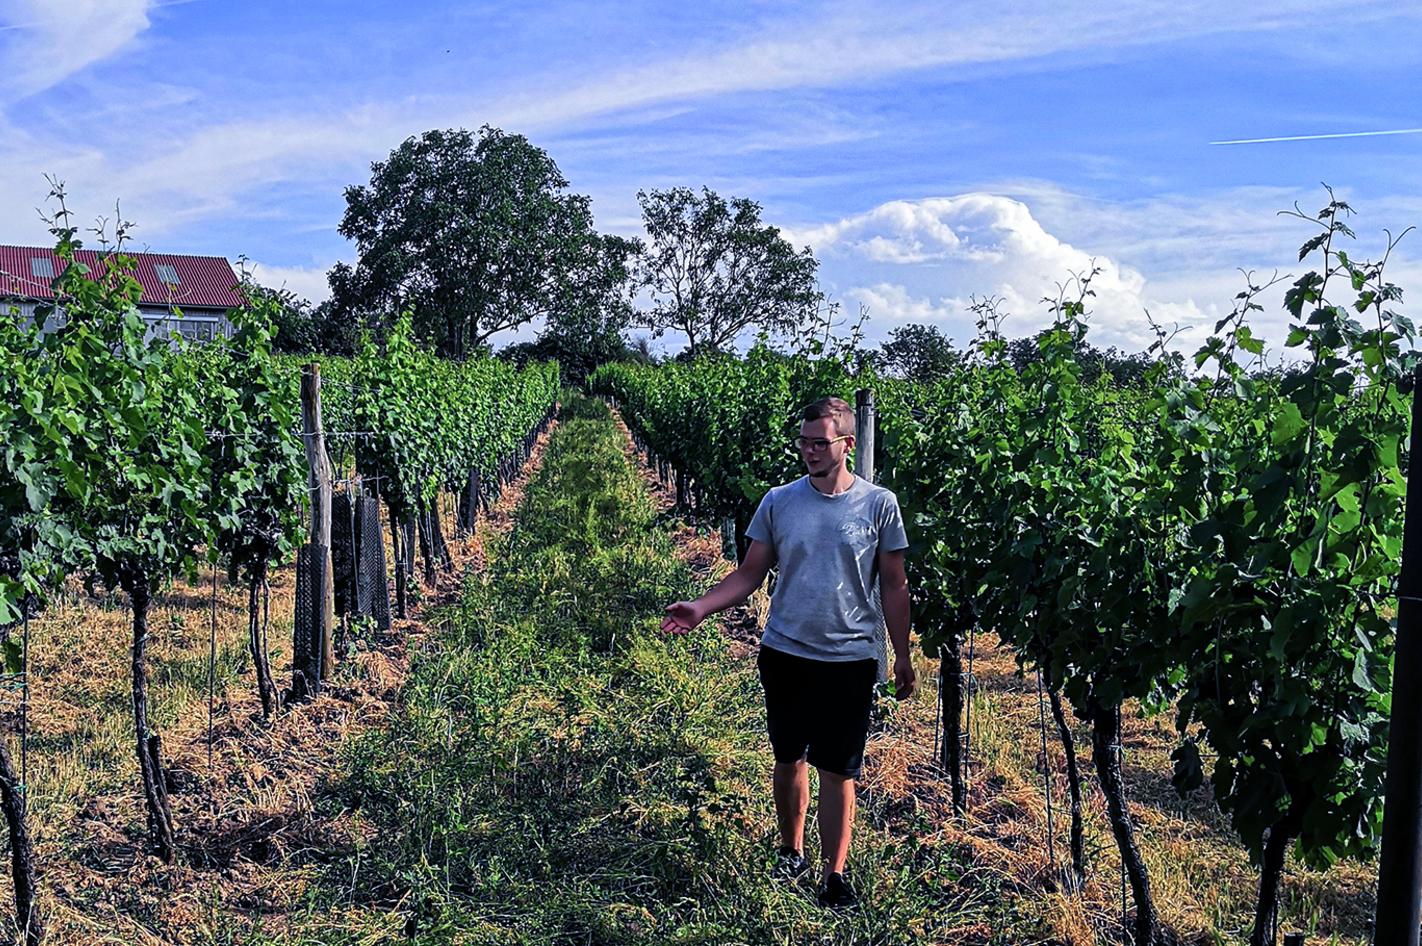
(835, 894)
(790, 864)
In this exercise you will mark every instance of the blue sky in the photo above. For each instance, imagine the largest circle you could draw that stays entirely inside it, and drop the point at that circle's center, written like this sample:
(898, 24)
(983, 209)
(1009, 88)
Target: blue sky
(927, 152)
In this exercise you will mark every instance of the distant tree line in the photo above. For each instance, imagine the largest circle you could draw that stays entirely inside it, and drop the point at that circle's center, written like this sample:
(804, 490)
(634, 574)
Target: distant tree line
(923, 353)
(474, 234)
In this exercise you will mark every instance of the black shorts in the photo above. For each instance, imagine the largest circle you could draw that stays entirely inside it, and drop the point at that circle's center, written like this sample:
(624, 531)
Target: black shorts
(818, 710)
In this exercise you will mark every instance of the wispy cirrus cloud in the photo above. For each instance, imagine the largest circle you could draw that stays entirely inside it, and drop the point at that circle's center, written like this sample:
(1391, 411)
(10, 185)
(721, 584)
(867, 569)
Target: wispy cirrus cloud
(43, 43)
(202, 172)
(821, 113)
(842, 42)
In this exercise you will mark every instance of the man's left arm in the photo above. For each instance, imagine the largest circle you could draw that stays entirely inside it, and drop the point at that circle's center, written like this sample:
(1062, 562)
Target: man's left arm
(894, 596)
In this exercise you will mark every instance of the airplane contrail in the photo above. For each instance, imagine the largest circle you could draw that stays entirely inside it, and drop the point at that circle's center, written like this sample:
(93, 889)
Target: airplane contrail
(1350, 134)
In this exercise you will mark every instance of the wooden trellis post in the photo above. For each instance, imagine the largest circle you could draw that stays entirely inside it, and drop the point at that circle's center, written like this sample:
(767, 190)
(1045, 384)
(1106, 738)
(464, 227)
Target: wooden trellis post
(319, 489)
(864, 468)
(1400, 862)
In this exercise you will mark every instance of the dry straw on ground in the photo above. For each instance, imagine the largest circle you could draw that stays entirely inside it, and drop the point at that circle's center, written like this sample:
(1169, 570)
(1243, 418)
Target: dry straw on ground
(254, 835)
(251, 832)
(1202, 881)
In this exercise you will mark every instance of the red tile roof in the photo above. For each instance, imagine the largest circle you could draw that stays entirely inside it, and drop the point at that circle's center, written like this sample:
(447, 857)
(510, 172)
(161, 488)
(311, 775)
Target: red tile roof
(203, 281)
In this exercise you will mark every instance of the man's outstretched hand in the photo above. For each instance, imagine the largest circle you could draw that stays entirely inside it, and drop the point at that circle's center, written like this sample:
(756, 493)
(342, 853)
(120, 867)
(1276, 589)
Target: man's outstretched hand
(681, 617)
(905, 677)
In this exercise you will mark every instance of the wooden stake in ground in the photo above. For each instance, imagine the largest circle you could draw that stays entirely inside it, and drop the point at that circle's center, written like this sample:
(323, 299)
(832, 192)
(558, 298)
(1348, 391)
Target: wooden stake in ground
(319, 490)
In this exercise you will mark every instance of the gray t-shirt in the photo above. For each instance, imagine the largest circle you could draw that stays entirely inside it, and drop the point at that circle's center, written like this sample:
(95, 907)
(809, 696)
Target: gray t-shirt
(827, 549)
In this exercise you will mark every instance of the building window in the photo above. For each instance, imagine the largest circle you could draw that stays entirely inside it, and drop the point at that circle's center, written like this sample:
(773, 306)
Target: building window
(41, 267)
(166, 274)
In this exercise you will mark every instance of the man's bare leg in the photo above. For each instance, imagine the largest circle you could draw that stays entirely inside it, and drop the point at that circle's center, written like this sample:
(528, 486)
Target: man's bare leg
(791, 790)
(836, 818)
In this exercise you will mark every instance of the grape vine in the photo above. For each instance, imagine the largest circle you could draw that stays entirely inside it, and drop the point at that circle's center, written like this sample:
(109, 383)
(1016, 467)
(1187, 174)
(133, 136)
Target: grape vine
(1221, 543)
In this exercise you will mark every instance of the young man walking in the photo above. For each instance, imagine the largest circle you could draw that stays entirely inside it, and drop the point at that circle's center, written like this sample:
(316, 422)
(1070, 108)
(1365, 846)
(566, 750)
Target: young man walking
(833, 535)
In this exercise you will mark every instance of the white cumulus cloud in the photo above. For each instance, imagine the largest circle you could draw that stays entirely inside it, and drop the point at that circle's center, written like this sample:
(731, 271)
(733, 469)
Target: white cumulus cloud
(308, 283)
(887, 302)
(950, 249)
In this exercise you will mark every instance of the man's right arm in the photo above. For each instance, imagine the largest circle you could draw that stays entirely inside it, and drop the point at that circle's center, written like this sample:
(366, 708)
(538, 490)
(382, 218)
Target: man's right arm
(731, 590)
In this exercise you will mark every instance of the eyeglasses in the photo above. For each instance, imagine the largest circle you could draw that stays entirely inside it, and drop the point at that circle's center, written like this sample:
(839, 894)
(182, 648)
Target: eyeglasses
(815, 444)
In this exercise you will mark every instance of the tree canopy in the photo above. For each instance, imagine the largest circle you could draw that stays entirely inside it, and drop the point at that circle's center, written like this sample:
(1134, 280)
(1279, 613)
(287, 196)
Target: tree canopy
(1128, 370)
(298, 327)
(714, 269)
(919, 353)
(472, 235)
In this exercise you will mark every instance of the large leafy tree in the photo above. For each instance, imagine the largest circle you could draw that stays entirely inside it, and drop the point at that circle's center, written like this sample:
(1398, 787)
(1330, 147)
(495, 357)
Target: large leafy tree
(714, 269)
(918, 353)
(472, 234)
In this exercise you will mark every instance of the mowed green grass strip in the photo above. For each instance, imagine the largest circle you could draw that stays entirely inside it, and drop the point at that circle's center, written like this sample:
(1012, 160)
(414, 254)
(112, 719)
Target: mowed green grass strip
(559, 772)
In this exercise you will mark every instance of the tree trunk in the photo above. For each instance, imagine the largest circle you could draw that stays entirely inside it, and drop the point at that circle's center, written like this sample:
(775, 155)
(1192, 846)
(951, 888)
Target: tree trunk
(441, 547)
(1105, 738)
(22, 863)
(1076, 877)
(950, 695)
(422, 520)
(398, 554)
(257, 641)
(150, 760)
(1281, 834)
(742, 540)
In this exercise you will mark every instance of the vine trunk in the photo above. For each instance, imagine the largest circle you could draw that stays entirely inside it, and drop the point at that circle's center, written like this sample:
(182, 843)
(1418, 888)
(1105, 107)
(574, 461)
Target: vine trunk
(257, 638)
(1075, 878)
(1105, 749)
(1281, 835)
(150, 756)
(950, 694)
(22, 858)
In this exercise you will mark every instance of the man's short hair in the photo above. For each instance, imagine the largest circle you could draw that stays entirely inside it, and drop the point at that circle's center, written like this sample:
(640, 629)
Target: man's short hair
(836, 409)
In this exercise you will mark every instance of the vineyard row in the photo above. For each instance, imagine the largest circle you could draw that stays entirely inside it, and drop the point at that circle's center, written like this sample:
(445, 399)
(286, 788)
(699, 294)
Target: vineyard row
(1218, 543)
(128, 461)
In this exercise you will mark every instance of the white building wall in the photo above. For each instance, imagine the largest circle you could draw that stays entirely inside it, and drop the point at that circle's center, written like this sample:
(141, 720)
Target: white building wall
(199, 325)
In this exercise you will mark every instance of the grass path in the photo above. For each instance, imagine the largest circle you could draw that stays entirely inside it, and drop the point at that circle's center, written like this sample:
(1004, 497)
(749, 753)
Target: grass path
(531, 762)
(560, 773)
